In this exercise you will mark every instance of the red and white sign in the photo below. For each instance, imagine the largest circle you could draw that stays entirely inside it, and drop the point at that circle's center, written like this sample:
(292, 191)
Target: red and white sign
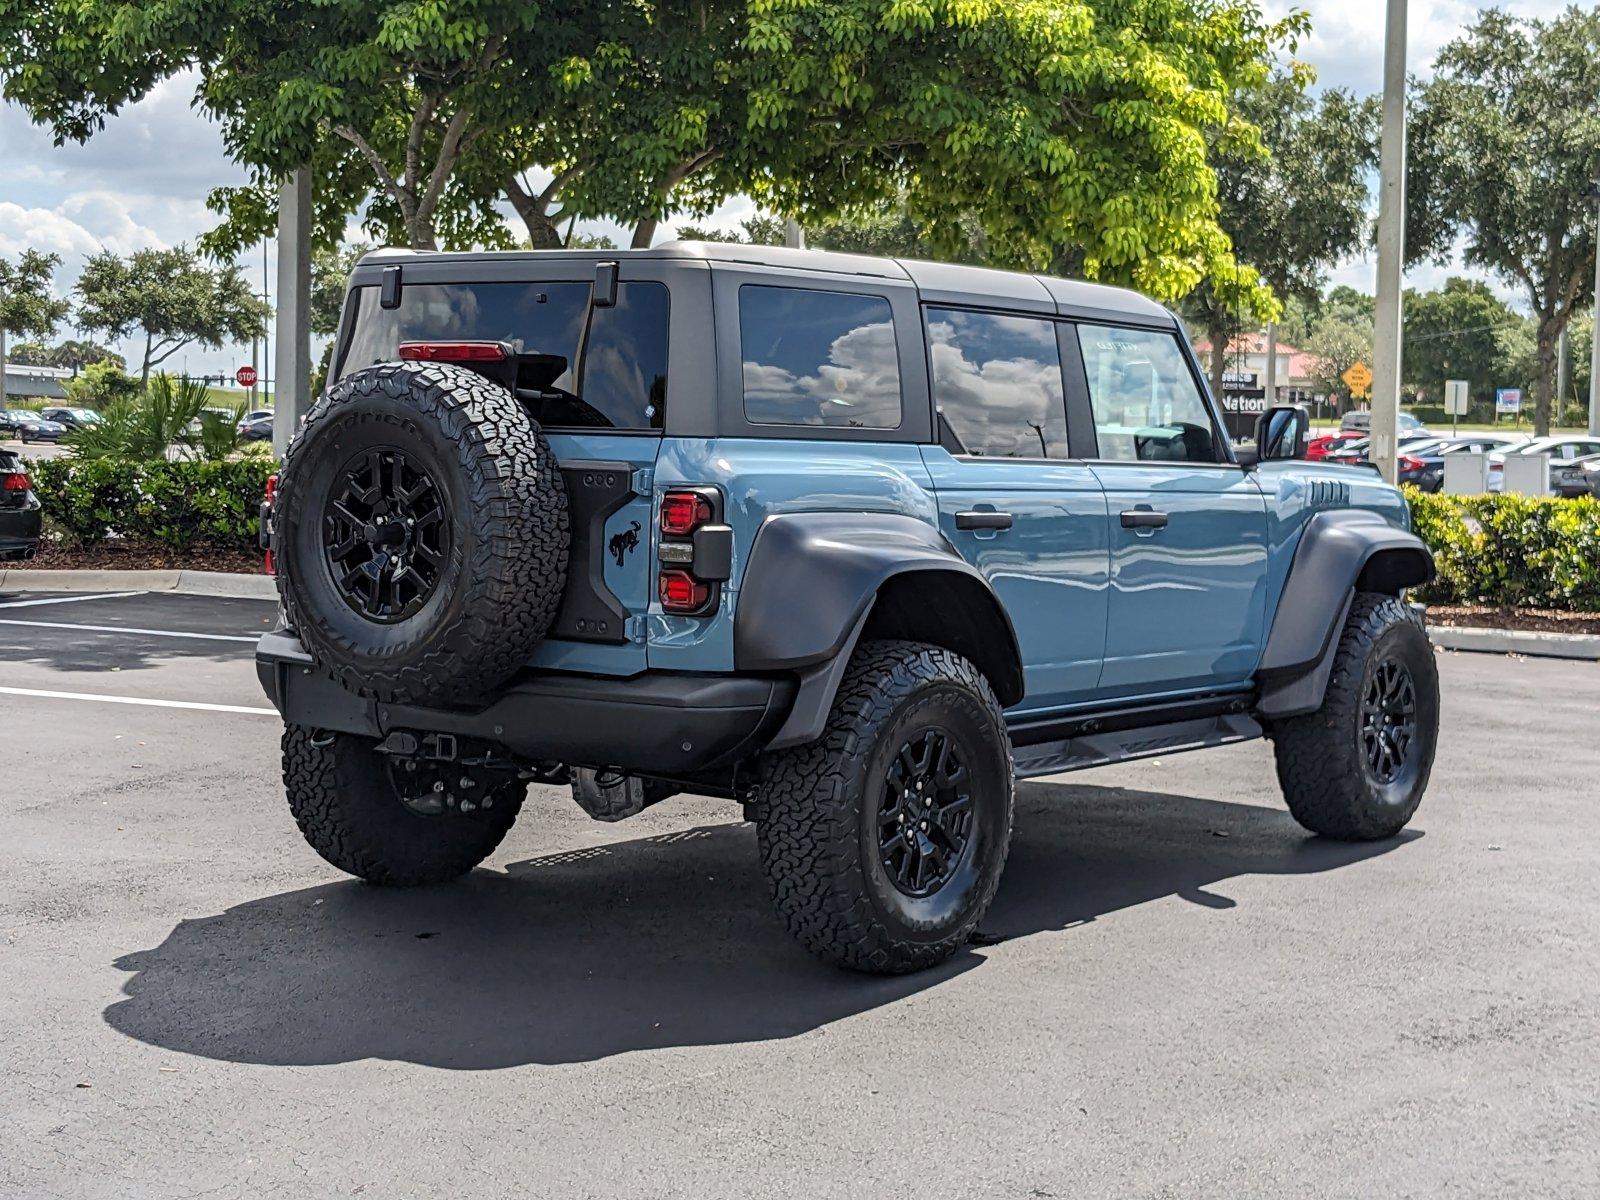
(245, 376)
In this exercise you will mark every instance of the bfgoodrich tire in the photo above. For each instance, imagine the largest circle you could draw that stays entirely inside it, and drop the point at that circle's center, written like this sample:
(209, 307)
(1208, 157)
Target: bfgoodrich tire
(421, 534)
(883, 842)
(350, 805)
(1356, 768)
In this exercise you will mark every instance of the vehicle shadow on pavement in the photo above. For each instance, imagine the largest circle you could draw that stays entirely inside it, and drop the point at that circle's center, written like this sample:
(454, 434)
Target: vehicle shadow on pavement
(76, 651)
(640, 944)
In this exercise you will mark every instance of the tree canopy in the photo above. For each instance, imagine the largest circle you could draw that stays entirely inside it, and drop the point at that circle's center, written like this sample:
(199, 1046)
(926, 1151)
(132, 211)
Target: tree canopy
(28, 305)
(170, 296)
(1058, 126)
(73, 354)
(1505, 141)
(1455, 333)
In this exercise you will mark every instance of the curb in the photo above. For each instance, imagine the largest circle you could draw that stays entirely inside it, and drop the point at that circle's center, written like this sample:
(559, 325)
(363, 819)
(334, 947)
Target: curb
(183, 583)
(1516, 641)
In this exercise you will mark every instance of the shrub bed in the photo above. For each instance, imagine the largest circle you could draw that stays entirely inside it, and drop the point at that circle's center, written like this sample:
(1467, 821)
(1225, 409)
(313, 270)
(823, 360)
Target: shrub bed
(180, 506)
(1516, 551)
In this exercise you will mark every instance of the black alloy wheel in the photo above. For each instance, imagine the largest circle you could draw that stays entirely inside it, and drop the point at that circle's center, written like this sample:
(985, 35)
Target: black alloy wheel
(925, 819)
(1389, 720)
(385, 536)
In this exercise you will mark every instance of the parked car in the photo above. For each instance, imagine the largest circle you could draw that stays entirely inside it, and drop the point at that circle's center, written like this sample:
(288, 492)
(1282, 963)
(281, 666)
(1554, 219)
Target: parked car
(1361, 422)
(19, 510)
(1422, 466)
(1354, 452)
(1564, 449)
(850, 541)
(1579, 478)
(40, 430)
(1329, 443)
(256, 429)
(72, 418)
(13, 419)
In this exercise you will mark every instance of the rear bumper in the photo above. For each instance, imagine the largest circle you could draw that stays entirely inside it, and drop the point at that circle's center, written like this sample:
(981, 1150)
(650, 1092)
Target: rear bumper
(661, 722)
(19, 529)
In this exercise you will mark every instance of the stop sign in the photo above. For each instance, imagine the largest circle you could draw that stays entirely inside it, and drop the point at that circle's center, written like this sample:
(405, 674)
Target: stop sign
(245, 376)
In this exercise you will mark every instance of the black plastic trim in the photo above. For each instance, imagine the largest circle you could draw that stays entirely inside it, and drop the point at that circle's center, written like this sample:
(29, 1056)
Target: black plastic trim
(590, 611)
(659, 722)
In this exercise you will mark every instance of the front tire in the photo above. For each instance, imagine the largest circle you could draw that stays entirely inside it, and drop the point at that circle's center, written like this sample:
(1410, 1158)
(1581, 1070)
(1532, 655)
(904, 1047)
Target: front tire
(1355, 769)
(345, 798)
(883, 842)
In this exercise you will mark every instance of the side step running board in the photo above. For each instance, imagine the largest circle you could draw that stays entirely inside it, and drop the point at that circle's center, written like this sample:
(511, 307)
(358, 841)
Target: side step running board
(1121, 745)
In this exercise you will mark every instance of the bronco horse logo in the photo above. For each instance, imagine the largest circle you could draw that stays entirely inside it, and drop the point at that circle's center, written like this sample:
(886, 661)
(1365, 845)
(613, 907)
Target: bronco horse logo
(626, 542)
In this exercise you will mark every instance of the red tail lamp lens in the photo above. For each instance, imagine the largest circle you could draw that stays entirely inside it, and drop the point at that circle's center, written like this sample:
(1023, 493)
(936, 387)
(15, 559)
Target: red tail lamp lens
(16, 481)
(272, 487)
(683, 512)
(1407, 463)
(681, 592)
(452, 352)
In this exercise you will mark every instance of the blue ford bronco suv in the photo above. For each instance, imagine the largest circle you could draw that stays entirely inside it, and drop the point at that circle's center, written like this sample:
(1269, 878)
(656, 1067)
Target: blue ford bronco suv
(852, 541)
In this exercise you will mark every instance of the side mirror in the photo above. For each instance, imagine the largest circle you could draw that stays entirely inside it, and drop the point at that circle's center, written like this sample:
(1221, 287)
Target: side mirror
(1282, 432)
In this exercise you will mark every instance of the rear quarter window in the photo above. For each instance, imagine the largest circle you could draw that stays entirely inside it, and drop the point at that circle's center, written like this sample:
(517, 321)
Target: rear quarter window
(819, 358)
(616, 376)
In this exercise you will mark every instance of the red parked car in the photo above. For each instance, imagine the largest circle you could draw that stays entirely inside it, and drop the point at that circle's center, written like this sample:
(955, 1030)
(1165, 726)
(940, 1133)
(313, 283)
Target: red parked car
(1321, 447)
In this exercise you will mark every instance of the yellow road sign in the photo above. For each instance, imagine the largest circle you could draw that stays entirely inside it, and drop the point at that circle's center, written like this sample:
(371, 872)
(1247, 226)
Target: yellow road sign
(1359, 378)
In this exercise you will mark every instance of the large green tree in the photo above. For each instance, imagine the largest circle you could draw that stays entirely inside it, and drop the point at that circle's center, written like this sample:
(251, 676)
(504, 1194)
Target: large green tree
(170, 297)
(1293, 213)
(1454, 333)
(73, 354)
(1059, 126)
(1505, 140)
(27, 303)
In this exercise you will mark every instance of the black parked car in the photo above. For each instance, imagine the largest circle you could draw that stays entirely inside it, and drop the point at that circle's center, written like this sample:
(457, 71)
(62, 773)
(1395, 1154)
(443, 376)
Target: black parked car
(19, 510)
(13, 419)
(40, 429)
(256, 429)
(72, 418)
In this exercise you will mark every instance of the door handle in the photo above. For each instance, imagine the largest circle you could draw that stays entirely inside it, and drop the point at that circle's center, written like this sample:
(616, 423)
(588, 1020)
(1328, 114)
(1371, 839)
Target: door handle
(985, 519)
(1143, 518)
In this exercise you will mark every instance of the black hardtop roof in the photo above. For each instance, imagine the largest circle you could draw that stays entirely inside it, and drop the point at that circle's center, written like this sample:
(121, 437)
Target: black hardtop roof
(937, 283)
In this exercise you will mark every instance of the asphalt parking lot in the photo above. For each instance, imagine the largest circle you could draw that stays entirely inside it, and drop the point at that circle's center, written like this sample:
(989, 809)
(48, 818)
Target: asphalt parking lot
(1179, 992)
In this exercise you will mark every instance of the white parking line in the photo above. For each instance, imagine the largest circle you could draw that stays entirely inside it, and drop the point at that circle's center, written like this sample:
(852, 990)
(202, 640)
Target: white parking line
(66, 599)
(171, 633)
(226, 708)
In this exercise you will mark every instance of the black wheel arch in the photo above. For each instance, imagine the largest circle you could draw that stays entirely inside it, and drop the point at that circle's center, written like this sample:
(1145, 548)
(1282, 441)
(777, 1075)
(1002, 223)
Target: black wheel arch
(818, 583)
(1340, 553)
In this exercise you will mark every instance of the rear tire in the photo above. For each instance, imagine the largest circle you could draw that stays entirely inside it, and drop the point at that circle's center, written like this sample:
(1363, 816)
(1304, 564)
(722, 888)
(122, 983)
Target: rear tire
(1355, 769)
(344, 798)
(883, 842)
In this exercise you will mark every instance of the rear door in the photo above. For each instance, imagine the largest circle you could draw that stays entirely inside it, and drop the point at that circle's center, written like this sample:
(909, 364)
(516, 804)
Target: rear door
(1188, 529)
(603, 416)
(1012, 499)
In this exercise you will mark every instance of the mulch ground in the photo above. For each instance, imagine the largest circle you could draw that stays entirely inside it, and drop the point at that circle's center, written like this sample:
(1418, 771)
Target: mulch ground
(1538, 620)
(139, 558)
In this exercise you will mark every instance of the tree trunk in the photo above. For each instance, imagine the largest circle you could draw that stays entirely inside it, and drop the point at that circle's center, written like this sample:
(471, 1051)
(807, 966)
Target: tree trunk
(1544, 380)
(645, 232)
(1217, 331)
(144, 369)
(543, 233)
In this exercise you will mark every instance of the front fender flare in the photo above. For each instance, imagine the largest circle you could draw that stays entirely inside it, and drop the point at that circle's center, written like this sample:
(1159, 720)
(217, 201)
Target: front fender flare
(1340, 552)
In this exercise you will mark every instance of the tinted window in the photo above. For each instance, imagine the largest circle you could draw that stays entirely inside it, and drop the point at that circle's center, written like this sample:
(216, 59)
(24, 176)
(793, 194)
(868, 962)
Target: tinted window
(620, 382)
(1146, 405)
(818, 358)
(997, 383)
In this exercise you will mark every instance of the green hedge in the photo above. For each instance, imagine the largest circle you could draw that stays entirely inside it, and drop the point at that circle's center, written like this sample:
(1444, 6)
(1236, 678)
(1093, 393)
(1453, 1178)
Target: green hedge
(1511, 550)
(178, 505)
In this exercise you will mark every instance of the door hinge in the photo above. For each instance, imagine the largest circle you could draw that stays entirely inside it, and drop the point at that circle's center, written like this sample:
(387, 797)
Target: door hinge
(643, 480)
(634, 629)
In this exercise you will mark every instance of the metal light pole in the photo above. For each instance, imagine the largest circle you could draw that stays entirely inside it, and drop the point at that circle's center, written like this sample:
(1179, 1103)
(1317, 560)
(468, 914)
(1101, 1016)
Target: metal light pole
(1594, 351)
(293, 367)
(1391, 244)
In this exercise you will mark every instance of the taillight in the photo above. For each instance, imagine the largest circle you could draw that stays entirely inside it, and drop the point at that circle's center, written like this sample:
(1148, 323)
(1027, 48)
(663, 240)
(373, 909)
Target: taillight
(452, 352)
(696, 551)
(684, 512)
(681, 592)
(1407, 463)
(265, 533)
(16, 481)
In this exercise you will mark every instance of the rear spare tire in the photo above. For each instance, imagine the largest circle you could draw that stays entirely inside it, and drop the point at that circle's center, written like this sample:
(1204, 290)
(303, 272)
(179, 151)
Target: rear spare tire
(421, 533)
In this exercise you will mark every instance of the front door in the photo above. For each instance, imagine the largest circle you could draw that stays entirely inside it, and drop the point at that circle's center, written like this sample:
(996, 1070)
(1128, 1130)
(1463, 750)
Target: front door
(1012, 501)
(1187, 529)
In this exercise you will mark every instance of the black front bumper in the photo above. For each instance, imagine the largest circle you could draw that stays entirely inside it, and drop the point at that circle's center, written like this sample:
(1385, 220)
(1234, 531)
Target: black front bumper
(661, 722)
(19, 530)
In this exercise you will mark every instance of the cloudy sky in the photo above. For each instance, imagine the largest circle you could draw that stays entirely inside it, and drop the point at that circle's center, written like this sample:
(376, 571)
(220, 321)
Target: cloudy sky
(143, 181)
